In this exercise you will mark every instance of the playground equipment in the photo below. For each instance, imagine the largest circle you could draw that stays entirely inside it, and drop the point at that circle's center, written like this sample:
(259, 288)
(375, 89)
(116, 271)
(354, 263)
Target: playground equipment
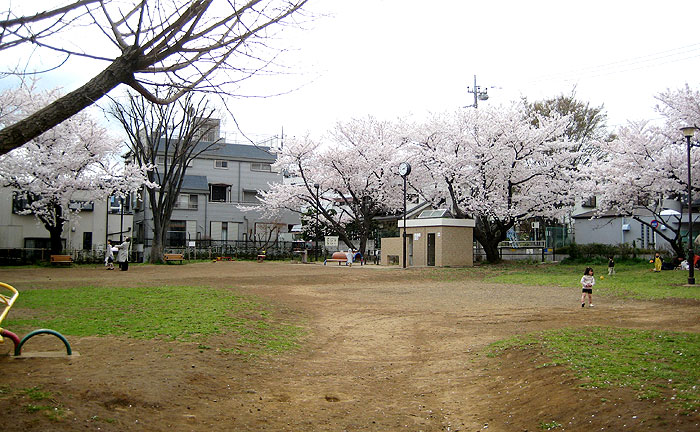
(8, 301)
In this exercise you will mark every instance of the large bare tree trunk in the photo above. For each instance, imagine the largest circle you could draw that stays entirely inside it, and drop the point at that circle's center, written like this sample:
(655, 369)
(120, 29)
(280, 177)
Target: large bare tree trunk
(55, 229)
(489, 234)
(31, 127)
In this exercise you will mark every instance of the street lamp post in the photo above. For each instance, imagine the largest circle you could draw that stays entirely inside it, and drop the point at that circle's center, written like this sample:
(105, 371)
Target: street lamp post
(121, 220)
(318, 207)
(404, 171)
(688, 132)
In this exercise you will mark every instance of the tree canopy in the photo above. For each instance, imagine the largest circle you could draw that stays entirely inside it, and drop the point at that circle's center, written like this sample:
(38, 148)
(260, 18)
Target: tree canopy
(75, 161)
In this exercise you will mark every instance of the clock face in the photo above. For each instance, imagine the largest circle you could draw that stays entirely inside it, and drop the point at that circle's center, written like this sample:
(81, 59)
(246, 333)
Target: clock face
(404, 169)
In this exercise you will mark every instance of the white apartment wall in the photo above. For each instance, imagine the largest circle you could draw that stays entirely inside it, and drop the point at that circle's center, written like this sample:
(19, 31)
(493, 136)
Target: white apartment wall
(14, 228)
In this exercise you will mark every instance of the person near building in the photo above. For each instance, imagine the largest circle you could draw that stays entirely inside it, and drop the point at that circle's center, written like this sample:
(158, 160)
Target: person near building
(123, 254)
(109, 256)
(658, 262)
(611, 266)
(587, 282)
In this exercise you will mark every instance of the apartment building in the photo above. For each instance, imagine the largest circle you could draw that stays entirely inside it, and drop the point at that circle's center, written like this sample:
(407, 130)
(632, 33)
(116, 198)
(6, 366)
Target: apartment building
(217, 184)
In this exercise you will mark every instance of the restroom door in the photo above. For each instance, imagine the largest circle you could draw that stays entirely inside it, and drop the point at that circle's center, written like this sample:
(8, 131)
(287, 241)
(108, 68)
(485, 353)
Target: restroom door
(431, 249)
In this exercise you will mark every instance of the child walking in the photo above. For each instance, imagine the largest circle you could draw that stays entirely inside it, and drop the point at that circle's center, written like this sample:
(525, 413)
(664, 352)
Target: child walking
(611, 266)
(587, 282)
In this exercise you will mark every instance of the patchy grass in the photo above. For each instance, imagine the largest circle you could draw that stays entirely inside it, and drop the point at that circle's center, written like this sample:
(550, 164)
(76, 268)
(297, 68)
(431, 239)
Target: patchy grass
(551, 425)
(40, 401)
(175, 313)
(632, 280)
(655, 364)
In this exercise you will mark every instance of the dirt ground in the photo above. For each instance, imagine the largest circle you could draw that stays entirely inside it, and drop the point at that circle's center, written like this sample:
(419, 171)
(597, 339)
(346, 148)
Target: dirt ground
(385, 350)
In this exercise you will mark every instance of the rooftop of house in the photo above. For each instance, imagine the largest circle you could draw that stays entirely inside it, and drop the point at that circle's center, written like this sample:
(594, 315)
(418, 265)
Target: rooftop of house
(230, 151)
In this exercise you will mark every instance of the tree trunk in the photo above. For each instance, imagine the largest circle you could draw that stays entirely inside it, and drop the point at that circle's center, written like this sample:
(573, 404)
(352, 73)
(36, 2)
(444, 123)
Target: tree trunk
(363, 244)
(489, 234)
(158, 243)
(492, 254)
(56, 243)
(55, 228)
(120, 71)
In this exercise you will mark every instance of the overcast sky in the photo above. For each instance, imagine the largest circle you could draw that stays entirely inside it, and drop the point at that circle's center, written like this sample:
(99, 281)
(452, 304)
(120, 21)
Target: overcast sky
(395, 57)
(392, 58)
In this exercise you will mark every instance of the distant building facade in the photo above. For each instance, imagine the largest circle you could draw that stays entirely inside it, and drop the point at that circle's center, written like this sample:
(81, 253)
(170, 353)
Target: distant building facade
(217, 184)
(88, 230)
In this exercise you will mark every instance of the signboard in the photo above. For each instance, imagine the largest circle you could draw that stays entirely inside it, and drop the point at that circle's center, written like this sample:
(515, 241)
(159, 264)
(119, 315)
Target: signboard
(654, 223)
(331, 241)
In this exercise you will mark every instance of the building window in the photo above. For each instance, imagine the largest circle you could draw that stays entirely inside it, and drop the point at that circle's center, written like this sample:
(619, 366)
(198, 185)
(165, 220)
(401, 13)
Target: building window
(590, 202)
(21, 202)
(218, 193)
(187, 202)
(221, 164)
(81, 205)
(177, 233)
(115, 203)
(264, 167)
(250, 196)
(87, 241)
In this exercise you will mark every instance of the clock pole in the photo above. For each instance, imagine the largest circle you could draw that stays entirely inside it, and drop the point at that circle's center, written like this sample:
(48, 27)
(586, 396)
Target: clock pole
(404, 171)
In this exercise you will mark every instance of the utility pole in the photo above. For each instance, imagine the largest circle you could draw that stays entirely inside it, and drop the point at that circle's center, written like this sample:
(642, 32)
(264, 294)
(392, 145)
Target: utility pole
(478, 94)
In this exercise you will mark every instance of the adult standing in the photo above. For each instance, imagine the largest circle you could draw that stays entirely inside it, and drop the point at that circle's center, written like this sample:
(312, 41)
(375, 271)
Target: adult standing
(123, 254)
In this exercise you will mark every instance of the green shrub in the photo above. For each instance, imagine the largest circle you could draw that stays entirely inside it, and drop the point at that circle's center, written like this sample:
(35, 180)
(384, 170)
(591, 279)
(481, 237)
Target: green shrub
(596, 253)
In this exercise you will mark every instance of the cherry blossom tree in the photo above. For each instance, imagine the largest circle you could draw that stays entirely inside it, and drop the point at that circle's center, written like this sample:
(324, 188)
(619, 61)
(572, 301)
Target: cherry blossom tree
(496, 167)
(177, 44)
(647, 164)
(355, 169)
(74, 161)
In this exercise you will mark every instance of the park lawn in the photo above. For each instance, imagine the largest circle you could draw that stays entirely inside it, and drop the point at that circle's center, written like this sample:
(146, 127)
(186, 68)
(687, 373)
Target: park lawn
(633, 280)
(181, 313)
(657, 365)
(654, 364)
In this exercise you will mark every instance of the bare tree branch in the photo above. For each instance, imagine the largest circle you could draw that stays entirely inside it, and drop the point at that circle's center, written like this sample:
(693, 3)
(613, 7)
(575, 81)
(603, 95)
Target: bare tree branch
(177, 44)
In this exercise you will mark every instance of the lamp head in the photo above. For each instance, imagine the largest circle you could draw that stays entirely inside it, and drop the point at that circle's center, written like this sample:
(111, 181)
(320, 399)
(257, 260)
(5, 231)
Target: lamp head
(688, 131)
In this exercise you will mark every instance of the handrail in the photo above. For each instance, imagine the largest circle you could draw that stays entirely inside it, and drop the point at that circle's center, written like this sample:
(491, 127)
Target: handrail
(8, 301)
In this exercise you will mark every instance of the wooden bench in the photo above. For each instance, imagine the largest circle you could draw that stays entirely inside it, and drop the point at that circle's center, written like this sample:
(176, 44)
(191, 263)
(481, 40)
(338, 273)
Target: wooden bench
(338, 257)
(61, 259)
(173, 257)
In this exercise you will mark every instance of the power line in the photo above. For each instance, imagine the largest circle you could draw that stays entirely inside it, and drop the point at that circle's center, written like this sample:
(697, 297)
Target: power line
(627, 65)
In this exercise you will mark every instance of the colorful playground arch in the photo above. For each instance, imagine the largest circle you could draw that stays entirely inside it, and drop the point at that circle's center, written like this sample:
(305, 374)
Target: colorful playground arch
(8, 301)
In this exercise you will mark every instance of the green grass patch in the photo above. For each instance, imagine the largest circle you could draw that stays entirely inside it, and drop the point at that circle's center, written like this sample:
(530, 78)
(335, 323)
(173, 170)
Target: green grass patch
(632, 280)
(655, 364)
(171, 313)
(36, 394)
(551, 425)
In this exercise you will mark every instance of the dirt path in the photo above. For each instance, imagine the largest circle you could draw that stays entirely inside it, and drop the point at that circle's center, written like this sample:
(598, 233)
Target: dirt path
(386, 350)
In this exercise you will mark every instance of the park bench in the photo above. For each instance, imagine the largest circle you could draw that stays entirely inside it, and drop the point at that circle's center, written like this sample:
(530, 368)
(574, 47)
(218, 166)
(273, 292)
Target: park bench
(338, 257)
(173, 257)
(261, 257)
(61, 259)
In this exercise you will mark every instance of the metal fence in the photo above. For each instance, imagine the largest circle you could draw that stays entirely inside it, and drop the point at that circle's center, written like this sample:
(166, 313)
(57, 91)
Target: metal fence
(201, 250)
(521, 251)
